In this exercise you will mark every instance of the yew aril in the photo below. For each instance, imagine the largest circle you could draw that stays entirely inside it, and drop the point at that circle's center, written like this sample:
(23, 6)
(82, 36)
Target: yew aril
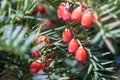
(67, 14)
(81, 54)
(67, 35)
(77, 14)
(73, 46)
(60, 10)
(35, 66)
(87, 19)
(39, 8)
(64, 11)
(43, 39)
(35, 54)
(40, 39)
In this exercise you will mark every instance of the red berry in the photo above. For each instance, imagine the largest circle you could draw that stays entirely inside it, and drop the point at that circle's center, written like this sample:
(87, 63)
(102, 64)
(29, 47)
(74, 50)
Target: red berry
(39, 8)
(67, 15)
(81, 54)
(67, 35)
(40, 39)
(64, 11)
(60, 10)
(73, 46)
(35, 54)
(43, 65)
(44, 39)
(77, 14)
(87, 19)
(35, 66)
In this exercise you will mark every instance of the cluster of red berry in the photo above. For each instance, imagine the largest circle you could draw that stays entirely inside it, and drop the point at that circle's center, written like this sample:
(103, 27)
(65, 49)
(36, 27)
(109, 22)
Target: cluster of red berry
(40, 63)
(73, 46)
(79, 14)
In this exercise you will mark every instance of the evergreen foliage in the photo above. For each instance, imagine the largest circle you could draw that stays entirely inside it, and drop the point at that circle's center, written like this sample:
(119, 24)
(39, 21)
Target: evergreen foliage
(20, 29)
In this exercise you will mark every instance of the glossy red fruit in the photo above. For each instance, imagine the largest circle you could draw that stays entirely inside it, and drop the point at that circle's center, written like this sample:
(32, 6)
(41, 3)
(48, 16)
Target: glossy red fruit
(67, 15)
(64, 11)
(77, 14)
(81, 54)
(67, 35)
(35, 66)
(43, 65)
(39, 8)
(60, 10)
(73, 46)
(87, 19)
(40, 39)
(35, 54)
(43, 39)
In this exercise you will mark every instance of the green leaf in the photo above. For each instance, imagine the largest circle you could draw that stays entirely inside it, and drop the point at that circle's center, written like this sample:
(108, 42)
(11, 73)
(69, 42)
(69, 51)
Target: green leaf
(113, 25)
(96, 38)
(110, 46)
(15, 40)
